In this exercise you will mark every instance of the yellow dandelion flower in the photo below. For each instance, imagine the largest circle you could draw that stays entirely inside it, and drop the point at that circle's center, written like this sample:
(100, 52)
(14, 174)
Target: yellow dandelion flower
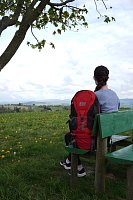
(2, 150)
(2, 156)
(8, 152)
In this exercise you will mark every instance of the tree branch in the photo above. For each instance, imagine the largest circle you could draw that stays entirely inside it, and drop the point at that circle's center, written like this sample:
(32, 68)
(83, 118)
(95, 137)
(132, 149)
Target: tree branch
(9, 21)
(33, 3)
(28, 18)
(60, 4)
(97, 8)
(34, 35)
(104, 4)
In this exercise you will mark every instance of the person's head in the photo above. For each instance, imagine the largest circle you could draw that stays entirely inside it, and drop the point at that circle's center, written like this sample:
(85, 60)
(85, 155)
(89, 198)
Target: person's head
(101, 75)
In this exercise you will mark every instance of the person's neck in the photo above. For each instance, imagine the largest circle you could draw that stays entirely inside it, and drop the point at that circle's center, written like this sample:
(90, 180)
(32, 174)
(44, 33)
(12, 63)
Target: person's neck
(105, 87)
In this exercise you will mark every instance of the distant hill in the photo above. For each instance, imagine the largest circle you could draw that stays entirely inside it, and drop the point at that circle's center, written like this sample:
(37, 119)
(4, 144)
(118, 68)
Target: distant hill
(66, 102)
(49, 102)
(123, 102)
(126, 103)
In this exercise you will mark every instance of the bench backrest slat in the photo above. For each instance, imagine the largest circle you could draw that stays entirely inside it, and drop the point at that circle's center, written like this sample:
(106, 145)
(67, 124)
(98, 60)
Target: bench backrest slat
(113, 123)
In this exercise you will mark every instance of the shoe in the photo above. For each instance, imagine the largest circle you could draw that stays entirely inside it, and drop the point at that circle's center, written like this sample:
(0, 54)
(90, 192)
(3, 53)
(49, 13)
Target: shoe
(81, 173)
(65, 165)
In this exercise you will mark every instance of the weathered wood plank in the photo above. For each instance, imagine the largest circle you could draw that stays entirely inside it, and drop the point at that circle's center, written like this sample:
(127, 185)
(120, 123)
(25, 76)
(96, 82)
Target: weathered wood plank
(122, 156)
(115, 123)
(130, 182)
(76, 150)
(74, 165)
(100, 165)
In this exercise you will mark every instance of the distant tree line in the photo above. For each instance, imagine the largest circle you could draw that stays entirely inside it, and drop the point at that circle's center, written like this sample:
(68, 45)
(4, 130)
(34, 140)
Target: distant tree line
(16, 108)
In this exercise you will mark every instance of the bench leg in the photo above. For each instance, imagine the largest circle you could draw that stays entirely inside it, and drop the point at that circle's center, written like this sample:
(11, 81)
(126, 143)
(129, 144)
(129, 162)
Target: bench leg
(100, 166)
(113, 148)
(130, 182)
(74, 165)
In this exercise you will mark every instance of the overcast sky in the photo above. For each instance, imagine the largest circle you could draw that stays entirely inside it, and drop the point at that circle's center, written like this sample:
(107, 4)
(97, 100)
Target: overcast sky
(59, 73)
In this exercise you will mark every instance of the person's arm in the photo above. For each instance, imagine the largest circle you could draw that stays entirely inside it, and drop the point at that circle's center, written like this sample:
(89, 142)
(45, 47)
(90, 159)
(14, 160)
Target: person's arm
(119, 104)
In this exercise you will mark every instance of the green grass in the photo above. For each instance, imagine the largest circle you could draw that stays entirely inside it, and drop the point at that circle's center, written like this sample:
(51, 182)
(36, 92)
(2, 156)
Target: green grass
(31, 146)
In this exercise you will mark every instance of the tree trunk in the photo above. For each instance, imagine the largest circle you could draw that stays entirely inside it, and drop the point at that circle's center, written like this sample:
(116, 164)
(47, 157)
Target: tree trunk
(29, 17)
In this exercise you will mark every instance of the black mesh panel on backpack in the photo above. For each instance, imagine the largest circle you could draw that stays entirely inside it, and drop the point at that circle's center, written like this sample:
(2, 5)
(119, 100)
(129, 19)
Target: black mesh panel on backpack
(91, 114)
(73, 118)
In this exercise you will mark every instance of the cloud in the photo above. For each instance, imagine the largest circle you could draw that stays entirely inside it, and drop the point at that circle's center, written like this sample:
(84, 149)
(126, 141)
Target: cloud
(59, 73)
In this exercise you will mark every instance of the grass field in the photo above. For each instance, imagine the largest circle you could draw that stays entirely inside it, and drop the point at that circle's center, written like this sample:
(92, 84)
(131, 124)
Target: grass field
(31, 146)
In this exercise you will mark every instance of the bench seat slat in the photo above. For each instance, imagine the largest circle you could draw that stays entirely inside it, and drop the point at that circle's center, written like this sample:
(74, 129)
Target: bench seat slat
(76, 150)
(122, 156)
(117, 138)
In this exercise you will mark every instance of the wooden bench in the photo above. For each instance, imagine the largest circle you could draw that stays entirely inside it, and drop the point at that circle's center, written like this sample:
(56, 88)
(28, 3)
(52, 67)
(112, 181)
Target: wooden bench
(106, 125)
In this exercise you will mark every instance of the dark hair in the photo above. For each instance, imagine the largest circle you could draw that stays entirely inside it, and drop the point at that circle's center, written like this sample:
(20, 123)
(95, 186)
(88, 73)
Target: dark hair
(101, 75)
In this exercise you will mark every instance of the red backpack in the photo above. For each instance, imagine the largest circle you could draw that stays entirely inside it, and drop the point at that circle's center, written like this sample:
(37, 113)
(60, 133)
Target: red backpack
(84, 107)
